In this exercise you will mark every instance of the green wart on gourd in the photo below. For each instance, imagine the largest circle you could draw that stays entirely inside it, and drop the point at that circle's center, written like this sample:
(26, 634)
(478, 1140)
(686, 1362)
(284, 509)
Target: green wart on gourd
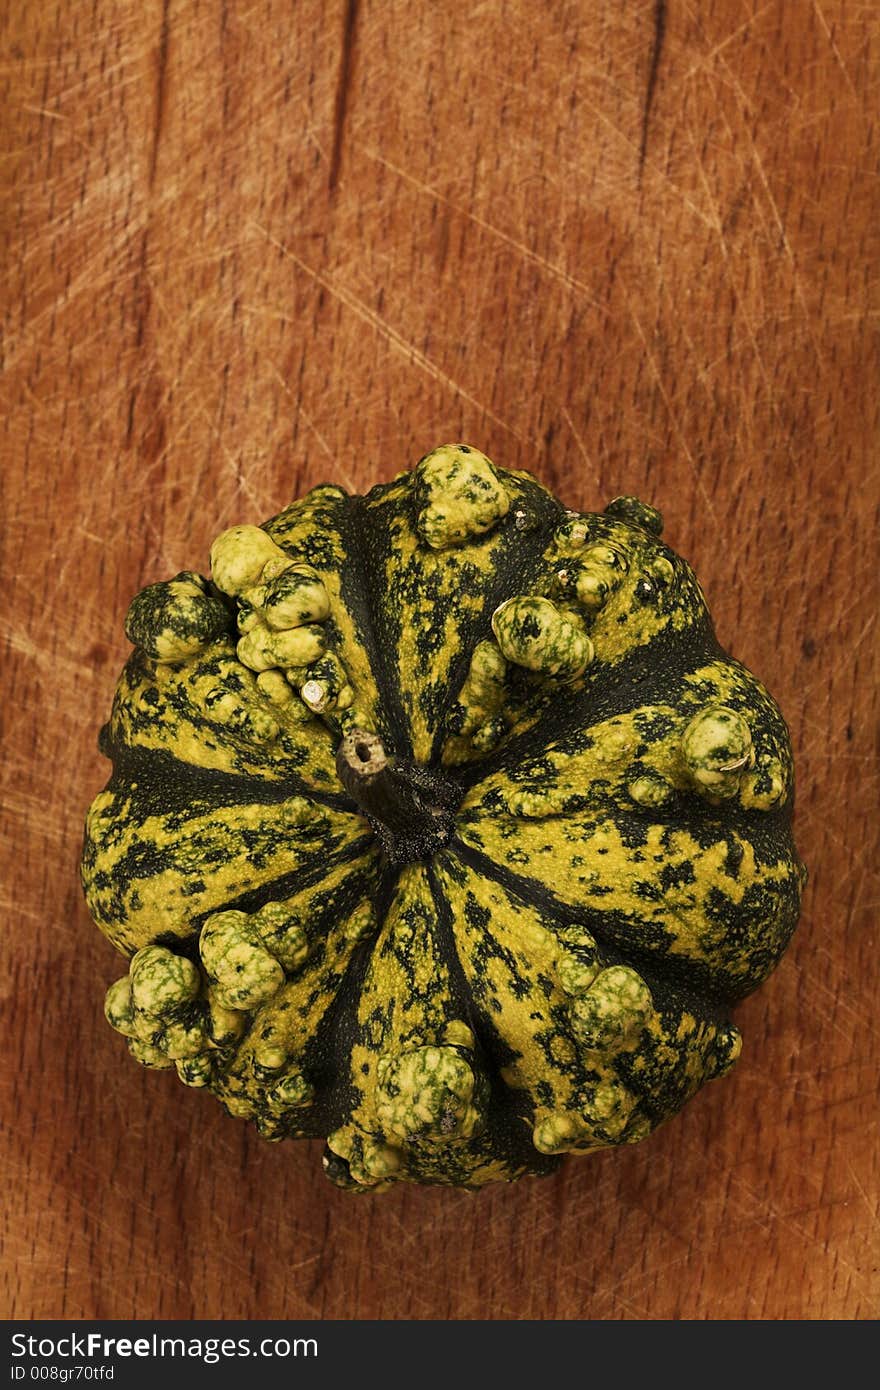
(441, 828)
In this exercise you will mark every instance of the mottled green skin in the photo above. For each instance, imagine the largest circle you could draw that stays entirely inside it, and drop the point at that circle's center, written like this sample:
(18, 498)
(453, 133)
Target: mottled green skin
(176, 618)
(556, 975)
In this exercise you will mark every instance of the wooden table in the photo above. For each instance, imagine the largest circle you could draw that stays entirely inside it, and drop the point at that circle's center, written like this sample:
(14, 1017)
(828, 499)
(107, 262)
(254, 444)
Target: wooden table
(632, 248)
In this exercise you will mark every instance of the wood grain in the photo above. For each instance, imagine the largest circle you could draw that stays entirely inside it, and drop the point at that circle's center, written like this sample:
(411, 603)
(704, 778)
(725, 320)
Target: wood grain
(250, 247)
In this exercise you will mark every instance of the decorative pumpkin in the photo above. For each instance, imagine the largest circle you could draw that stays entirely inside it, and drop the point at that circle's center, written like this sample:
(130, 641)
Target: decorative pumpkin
(440, 826)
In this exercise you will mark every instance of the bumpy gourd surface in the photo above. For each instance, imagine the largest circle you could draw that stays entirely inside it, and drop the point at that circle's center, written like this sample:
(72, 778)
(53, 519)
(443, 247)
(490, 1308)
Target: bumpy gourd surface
(619, 868)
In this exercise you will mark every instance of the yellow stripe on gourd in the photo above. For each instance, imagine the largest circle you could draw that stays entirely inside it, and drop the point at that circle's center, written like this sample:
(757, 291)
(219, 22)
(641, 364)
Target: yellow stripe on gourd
(310, 527)
(213, 858)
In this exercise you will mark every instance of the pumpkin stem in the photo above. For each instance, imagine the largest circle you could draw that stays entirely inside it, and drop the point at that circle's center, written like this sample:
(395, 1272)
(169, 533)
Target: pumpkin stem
(410, 809)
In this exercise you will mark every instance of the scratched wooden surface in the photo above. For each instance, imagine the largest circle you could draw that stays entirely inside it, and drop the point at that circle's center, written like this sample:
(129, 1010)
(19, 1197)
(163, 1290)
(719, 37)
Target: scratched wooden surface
(253, 247)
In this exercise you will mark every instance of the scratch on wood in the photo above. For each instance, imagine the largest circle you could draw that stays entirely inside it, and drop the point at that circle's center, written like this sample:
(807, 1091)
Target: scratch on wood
(161, 86)
(657, 49)
(345, 476)
(346, 68)
(829, 34)
(143, 290)
(395, 340)
(525, 251)
(673, 417)
(703, 63)
(142, 304)
(582, 447)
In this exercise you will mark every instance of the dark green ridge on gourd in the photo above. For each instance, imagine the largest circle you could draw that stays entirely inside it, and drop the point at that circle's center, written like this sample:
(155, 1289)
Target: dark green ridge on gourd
(279, 889)
(511, 925)
(403, 581)
(698, 982)
(151, 777)
(638, 680)
(335, 1086)
(332, 1086)
(662, 1093)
